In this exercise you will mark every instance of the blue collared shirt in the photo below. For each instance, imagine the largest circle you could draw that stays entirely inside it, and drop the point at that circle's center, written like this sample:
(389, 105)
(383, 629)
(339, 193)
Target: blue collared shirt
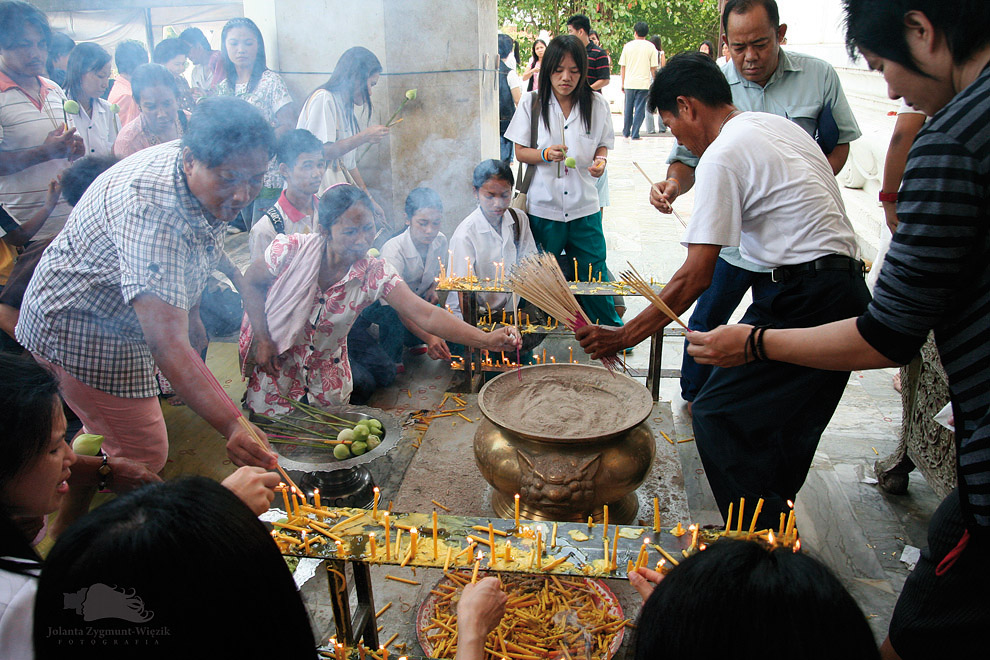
(798, 89)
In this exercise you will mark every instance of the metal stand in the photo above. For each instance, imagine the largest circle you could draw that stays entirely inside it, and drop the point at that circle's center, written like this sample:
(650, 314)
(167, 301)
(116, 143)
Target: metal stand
(361, 624)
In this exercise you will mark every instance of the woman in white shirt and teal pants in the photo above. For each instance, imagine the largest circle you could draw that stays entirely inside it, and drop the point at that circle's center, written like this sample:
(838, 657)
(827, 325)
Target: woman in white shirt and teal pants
(574, 134)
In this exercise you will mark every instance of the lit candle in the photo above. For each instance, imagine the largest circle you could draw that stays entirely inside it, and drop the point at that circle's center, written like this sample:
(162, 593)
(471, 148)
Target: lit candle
(285, 498)
(694, 535)
(374, 506)
(384, 652)
(656, 514)
(517, 510)
(570, 353)
(434, 535)
(640, 561)
(374, 546)
(477, 564)
(728, 519)
(589, 273)
(316, 498)
(388, 532)
(508, 551)
(756, 514)
(340, 549)
(295, 502)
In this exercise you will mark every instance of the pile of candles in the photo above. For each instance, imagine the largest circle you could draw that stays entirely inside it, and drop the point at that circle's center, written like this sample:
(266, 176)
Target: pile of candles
(503, 363)
(338, 651)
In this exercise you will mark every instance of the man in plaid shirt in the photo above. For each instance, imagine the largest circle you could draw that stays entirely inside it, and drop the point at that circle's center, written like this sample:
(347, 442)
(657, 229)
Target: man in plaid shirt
(118, 291)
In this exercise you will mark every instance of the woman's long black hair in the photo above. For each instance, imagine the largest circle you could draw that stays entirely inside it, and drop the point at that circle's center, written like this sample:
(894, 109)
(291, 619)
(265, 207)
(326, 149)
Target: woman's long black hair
(84, 58)
(552, 56)
(356, 65)
(533, 60)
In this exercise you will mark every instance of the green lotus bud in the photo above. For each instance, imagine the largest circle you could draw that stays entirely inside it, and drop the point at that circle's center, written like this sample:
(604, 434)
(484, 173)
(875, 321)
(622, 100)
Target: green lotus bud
(71, 107)
(411, 94)
(374, 253)
(341, 452)
(570, 161)
(373, 442)
(114, 108)
(359, 448)
(87, 444)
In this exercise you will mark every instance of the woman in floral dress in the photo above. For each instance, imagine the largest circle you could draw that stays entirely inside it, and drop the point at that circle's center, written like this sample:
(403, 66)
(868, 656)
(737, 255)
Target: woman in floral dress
(303, 298)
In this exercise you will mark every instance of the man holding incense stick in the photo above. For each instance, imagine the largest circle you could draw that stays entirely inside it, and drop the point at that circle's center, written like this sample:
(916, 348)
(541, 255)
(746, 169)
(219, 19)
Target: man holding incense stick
(765, 186)
(118, 291)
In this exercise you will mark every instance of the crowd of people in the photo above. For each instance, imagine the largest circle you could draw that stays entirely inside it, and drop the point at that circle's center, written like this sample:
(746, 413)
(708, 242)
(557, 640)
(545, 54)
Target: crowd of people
(114, 207)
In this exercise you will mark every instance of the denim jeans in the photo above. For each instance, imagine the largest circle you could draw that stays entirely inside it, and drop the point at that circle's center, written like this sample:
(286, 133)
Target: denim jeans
(635, 109)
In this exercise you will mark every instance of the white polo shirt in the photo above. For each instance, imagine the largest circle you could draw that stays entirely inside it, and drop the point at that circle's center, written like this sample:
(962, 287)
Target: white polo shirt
(475, 238)
(418, 272)
(25, 124)
(99, 131)
(572, 195)
(294, 221)
(764, 185)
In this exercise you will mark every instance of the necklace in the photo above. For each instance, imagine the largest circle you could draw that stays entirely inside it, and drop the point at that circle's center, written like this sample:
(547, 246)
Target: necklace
(727, 118)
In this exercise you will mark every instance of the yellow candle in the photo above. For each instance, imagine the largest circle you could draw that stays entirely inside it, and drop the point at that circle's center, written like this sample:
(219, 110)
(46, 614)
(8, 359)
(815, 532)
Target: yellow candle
(508, 551)
(384, 652)
(295, 502)
(570, 354)
(316, 498)
(434, 536)
(388, 531)
(615, 549)
(605, 520)
(491, 539)
(340, 550)
(783, 518)
(656, 514)
(553, 536)
(517, 510)
(678, 531)
(374, 546)
(694, 535)
(374, 506)
(643, 555)
(398, 543)
(591, 522)
(414, 541)
(285, 498)
(539, 549)
(756, 514)
(589, 272)
(742, 505)
(728, 519)
(575, 270)
(605, 547)
(446, 562)
(477, 564)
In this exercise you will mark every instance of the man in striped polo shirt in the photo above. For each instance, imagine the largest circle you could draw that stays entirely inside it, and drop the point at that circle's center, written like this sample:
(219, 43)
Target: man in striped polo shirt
(935, 277)
(34, 143)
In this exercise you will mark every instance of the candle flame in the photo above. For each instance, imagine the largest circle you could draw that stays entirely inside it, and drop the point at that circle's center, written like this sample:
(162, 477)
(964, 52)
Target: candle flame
(797, 545)
(480, 555)
(702, 546)
(646, 541)
(790, 503)
(771, 538)
(376, 489)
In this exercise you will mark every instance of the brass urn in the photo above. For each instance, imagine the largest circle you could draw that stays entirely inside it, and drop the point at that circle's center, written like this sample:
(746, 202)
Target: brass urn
(568, 438)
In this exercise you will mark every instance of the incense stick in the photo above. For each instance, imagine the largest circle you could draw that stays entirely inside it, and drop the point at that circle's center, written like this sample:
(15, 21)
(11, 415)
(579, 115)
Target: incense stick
(635, 280)
(219, 391)
(538, 279)
(672, 209)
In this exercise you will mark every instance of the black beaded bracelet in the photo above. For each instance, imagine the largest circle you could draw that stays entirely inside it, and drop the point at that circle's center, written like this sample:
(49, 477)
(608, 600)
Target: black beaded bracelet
(754, 344)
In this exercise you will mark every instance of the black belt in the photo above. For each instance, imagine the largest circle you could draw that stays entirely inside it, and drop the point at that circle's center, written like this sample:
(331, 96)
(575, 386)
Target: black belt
(828, 262)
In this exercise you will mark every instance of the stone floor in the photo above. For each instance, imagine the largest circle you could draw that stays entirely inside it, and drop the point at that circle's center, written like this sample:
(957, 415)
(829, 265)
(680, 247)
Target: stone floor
(844, 518)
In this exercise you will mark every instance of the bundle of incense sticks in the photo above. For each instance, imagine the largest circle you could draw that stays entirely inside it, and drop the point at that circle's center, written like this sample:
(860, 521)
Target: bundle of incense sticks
(538, 278)
(642, 288)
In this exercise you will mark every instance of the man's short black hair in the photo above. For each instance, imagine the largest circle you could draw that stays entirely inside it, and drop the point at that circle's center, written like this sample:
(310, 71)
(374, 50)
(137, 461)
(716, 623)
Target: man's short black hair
(15, 16)
(743, 6)
(691, 74)
(878, 26)
(641, 29)
(147, 76)
(224, 127)
(129, 55)
(295, 142)
(168, 49)
(78, 176)
(193, 36)
(580, 22)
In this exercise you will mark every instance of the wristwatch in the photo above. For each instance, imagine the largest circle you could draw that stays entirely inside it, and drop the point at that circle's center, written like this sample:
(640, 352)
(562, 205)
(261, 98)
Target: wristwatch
(106, 474)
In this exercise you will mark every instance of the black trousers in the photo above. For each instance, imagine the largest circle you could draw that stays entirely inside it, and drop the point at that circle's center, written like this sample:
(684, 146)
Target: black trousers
(757, 426)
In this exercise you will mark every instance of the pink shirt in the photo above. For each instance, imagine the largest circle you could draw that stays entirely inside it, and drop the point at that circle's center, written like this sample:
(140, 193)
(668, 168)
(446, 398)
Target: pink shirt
(120, 94)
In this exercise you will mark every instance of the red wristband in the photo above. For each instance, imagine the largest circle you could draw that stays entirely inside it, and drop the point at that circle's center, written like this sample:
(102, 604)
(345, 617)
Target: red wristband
(888, 197)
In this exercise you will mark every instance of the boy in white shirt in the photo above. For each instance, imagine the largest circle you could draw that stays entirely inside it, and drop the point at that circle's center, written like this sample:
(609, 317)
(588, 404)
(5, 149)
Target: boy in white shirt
(301, 164)
(416, 254)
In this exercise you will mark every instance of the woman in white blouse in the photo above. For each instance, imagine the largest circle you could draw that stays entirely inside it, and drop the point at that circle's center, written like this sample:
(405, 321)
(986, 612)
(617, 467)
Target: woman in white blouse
(330, 113)
(574, 134)
(86, 78)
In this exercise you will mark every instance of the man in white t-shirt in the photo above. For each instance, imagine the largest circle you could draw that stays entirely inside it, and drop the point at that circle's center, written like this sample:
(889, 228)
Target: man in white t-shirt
(637, 66)
(764, 185)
